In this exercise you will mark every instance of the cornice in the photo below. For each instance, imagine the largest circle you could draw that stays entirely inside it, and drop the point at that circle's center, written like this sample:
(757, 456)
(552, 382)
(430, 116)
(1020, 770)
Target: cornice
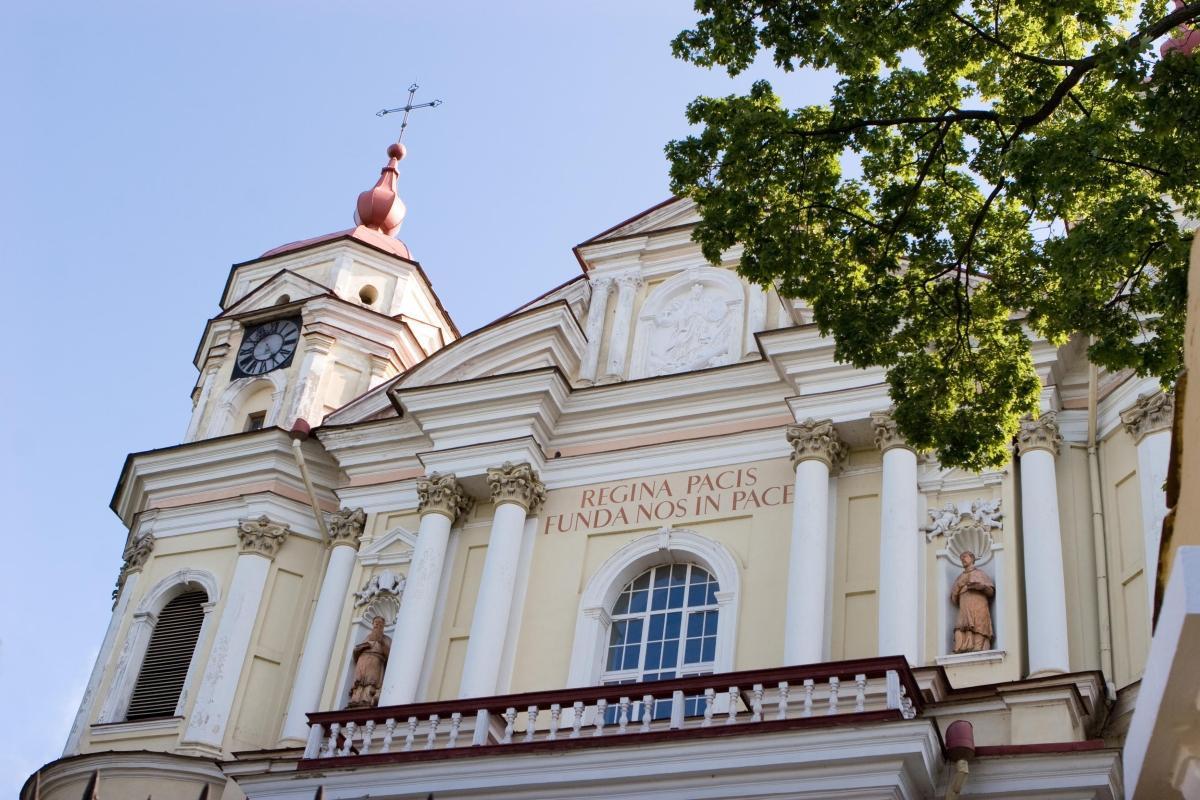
(212, 466)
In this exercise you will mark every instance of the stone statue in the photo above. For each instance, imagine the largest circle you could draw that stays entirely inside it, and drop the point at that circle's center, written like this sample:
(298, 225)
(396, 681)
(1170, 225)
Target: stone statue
(370, 658)
(971, 592)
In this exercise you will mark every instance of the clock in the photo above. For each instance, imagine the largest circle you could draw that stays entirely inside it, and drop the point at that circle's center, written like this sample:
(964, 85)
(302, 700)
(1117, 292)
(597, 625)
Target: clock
(266, 347)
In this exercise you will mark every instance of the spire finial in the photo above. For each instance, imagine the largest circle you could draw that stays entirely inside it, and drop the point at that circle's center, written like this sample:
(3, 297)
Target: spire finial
(380, 207)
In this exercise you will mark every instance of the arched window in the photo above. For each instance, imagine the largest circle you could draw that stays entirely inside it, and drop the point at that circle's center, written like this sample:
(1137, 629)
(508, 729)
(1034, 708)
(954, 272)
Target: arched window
(157, 661)
(168, 656)
(664, 625)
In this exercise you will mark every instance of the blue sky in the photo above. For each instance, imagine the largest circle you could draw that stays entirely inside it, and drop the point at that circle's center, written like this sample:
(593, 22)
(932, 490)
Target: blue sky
(147, 146)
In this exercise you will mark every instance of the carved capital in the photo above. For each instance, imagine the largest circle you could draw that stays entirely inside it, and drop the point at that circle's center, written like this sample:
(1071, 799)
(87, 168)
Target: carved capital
(261, 536)
(887, 435)
(1039, 434)
(629, 281)
(1154, 411)
(602, 286)
(517, 483)
(135, 556)
(442, 494)
(346, 527)
(813, 439)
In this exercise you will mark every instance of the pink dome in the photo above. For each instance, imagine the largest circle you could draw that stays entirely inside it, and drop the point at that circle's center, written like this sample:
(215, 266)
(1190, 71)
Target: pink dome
(380, 207)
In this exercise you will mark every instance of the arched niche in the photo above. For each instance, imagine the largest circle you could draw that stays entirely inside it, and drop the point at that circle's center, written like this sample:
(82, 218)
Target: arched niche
(691, 321)
(245, 396)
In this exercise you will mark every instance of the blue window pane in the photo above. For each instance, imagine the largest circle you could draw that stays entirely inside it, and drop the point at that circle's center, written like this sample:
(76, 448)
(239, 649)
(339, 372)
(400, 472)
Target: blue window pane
(642, 582)
(614, 658)
(673, 622)
(711, 598)
(710, 647)
(676, 600)
(653, 655)
(656, 627)
(635, 632)
(631, 656)
(670, 653)
(691, 654)
(662, 577)
(710, 623)
(622, 605)
(638, 603)
(659, 601)
(618, 632)
(696, 595)
(695, 625)
(679, 573)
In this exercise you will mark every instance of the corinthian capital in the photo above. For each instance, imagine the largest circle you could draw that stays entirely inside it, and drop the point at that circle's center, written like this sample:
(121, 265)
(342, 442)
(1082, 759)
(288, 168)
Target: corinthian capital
(815, 439)
(346, 527)
(441, 494)
(630, 280)
(261, 536)
(517, 483)
(135, 556)
(1153, 411)
(1039, 434)
(887, 435)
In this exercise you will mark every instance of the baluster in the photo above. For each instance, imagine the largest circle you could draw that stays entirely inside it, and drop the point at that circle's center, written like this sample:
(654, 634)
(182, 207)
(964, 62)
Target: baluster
(892, 679)
(808, 697)
(510, 719)
(455, 724)
(316, 737)
(906, 705)
(623, 715)
(431, 737)
(555, 716)
(734, 699)
(331, 747)
(389, 730)
(601, 710)
(412, 734)
(368, 734)
(834, 683)
(756, 696)
(782, 708)
(677, 710)
(860, 692)
(349, 743)
(531, 715)
(709, 696)
(577, 720)
(647, 712)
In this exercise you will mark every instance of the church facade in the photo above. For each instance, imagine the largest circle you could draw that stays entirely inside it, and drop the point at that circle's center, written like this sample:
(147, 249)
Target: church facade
(643, 536)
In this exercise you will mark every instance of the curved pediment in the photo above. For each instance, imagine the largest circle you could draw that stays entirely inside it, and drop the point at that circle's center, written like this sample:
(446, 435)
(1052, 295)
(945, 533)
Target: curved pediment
(544, 336)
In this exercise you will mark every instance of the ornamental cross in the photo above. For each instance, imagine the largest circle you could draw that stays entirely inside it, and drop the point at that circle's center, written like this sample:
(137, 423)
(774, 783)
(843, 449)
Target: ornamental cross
(406, 108)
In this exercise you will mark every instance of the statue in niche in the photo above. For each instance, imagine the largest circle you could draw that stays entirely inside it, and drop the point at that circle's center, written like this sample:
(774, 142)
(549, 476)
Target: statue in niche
(370, 659)
(693, 332)
(971, 592)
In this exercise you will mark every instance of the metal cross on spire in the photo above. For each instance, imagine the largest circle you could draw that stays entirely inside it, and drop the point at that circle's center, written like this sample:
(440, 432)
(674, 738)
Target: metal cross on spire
(406, 108)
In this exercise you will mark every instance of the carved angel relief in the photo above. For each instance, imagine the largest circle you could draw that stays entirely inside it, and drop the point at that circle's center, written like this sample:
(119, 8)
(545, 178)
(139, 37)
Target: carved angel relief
(697, 330)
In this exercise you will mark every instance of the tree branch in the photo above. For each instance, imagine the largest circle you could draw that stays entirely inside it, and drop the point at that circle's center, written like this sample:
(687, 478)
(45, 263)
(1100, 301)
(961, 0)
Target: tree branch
(1006, 47)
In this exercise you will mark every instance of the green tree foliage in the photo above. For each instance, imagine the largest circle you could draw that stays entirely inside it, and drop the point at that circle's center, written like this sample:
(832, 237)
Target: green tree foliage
(1022, 165)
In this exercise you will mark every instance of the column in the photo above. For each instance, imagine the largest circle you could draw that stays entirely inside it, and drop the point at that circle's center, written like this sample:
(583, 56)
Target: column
(601, 288)
(345, 530)
(816, 449)
(899, 544)
(1149, 423)
(517, 492)
(441, 501)
(1045, 581)
(259, 541)
(618, 340)
(306, 402)
(136, 555)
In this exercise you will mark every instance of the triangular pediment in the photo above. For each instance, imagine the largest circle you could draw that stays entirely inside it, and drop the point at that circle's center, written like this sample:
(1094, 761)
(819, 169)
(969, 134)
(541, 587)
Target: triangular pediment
(273, 291)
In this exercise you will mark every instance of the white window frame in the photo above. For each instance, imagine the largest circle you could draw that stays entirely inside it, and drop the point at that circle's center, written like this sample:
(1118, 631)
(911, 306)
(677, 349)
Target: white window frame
(667, 546)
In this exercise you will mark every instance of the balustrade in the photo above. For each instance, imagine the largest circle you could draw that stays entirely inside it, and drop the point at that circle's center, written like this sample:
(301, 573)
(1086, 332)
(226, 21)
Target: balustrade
(883, 688)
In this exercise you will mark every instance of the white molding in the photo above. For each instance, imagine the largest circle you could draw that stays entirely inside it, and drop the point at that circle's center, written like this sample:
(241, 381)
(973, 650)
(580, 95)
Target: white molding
(666, 546)
(980, 657)
(146, 727)
(374, 554)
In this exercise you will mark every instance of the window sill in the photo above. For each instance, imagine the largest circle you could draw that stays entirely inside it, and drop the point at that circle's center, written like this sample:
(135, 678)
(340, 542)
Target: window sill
(141, 727)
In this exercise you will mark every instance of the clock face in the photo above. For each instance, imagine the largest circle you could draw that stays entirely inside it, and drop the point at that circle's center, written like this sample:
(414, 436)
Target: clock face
(267, 347)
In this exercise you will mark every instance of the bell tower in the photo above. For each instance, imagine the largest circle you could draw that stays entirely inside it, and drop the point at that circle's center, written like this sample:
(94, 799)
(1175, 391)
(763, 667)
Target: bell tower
(308, 326)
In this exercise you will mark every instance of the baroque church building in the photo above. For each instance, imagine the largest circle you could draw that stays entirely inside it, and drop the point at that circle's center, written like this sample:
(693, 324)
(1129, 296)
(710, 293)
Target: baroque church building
(641, 537)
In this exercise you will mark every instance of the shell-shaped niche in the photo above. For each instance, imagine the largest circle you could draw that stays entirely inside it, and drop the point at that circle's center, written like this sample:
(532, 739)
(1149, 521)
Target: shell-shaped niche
(973, 538)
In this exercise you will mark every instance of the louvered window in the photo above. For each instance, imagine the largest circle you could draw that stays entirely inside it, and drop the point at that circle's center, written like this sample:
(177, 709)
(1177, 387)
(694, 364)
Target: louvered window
(164, 669)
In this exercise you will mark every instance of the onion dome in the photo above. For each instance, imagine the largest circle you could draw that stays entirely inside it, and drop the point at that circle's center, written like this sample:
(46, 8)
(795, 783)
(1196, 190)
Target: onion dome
(380, 207)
